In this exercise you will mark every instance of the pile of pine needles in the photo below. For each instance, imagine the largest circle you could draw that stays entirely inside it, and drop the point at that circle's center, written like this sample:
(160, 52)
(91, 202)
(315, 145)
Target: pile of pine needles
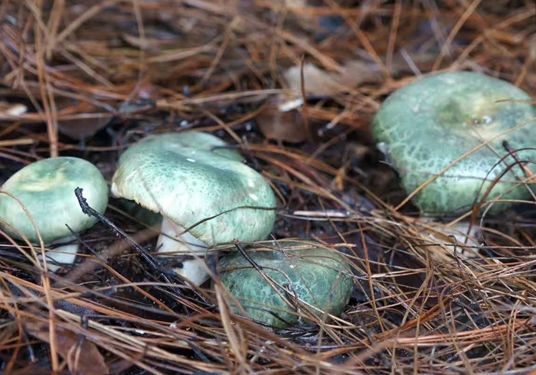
(89, 78)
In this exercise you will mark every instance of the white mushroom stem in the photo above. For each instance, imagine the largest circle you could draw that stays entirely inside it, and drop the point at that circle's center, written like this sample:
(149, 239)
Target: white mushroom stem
(174, 239)
(62, 255)
(464, 236)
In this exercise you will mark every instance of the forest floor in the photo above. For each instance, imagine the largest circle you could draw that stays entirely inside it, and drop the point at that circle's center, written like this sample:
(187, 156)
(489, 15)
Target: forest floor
(294, 85)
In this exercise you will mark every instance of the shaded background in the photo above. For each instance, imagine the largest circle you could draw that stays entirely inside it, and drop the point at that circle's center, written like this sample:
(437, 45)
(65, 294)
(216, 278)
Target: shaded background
(294, 85)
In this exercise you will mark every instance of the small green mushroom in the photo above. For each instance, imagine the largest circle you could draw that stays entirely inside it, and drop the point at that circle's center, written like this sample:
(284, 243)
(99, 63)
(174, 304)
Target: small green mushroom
(447, 133)
(204, 191)
(292, 276)
(43, 192)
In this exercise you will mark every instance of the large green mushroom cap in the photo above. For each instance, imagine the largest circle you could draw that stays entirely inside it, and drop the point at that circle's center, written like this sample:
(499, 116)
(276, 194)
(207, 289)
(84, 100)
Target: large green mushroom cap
(429, 124)
(303, 274)
(46, 190)
(197, 182)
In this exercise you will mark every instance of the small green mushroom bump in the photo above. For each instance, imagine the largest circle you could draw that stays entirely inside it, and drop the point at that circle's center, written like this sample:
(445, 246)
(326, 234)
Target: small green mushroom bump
(426, 126)
(45, 189)
(305, 275)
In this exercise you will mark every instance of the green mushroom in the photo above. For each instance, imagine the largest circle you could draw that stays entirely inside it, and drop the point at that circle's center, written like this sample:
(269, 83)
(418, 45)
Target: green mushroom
(42, 193)
(138, 213)
(205, 193)
(292, 276)
(447, 134)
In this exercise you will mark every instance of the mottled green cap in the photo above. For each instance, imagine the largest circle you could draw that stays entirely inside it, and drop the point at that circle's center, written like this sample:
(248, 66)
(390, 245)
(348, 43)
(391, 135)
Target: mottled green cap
(46, 189)
(315, 275)
(430, 123)
(194, 178)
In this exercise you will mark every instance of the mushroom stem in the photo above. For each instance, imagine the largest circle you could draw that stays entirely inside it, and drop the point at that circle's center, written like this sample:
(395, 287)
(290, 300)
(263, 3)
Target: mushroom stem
(174, 239)
(466, 235)
(63, 254)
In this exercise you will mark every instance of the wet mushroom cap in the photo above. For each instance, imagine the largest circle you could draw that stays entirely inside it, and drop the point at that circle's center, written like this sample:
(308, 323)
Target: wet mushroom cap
(196, 181)
(426, 126)
(46, 189)
(316, 275)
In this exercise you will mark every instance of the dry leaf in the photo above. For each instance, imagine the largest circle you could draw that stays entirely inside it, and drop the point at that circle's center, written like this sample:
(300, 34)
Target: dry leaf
(280, 121)
(82, 356)
(356, 72)
(286, 126)
(81, 120)
(319, 82)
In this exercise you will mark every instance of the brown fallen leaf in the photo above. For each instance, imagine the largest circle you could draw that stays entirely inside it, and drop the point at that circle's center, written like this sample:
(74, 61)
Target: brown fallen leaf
(280, 125)
(80, 119)
(281, 121)
(82, 356)
(319, 82)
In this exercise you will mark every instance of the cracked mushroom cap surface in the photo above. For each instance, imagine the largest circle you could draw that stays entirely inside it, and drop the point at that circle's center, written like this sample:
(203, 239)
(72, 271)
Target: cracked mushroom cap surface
(196, 181)
(46, 191)
(448, 131)
(292, 270)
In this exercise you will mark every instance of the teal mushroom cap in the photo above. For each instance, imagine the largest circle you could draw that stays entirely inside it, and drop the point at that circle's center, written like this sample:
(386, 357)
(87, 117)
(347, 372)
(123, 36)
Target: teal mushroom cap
(297, 275)
(44, 193)
(190, 177)
(205, 193)
(448, 132)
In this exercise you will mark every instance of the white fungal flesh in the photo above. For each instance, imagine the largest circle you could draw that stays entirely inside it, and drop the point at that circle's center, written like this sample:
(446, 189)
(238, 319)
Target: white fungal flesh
(194, 270)
(466, 235)
(62, 255)
(174, 239)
